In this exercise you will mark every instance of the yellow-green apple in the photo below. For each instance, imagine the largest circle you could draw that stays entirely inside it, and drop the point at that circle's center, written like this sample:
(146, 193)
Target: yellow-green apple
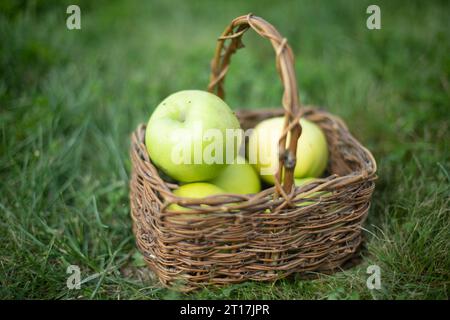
(312, 149)
(239, 177)
(192, 135)
(303, 181)
(193, 190)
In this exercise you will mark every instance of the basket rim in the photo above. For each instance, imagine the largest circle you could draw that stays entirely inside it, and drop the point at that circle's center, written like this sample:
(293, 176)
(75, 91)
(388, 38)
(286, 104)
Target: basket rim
(139, 150)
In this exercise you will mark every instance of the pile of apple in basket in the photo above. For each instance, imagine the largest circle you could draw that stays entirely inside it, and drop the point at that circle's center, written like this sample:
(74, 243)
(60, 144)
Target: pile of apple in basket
(194, 138)
(221, 197)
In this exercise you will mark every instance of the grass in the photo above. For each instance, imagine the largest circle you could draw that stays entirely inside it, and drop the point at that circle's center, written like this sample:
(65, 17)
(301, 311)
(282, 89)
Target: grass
(70, 99)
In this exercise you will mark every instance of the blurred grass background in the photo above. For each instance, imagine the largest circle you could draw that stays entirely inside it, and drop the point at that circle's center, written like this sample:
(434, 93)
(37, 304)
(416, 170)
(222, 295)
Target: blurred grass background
(70, 99)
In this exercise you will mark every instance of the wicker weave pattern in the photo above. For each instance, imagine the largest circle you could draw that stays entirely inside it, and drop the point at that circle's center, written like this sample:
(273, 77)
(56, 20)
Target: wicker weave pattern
(279, 231)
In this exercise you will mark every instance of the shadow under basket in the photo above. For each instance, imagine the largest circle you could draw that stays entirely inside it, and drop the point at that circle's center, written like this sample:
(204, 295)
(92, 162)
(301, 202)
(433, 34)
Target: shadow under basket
(225, 239)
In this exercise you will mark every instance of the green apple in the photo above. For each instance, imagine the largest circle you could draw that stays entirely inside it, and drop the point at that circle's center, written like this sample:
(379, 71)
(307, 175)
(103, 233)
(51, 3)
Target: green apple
(186, 136)
(239, 177)
(312, 149)
(195, 190)
(303, 181)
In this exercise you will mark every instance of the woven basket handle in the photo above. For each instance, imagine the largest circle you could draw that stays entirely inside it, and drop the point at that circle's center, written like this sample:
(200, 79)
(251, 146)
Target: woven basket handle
(285, 67)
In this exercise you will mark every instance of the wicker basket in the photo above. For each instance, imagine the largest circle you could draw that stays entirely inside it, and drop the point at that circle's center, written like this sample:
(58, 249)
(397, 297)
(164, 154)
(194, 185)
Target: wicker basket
(265, 236)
